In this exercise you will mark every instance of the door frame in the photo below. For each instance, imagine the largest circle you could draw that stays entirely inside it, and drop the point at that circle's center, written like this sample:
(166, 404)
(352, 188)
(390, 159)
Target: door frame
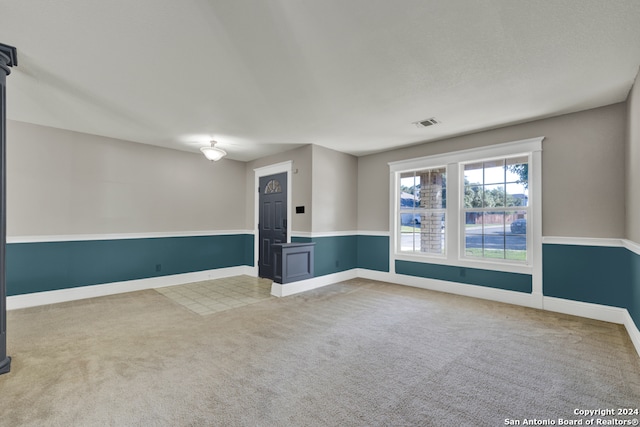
(258, 173)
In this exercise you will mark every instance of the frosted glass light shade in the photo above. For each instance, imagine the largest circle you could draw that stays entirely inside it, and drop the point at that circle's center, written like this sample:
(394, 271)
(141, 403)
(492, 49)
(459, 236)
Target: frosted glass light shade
(213, 153)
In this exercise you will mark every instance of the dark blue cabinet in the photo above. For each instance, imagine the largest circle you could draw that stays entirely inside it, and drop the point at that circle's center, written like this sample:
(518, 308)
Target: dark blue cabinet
(292, 262)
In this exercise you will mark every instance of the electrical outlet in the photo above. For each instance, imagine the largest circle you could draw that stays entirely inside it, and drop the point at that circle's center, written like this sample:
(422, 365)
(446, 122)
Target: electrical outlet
(463, 272)
(158, 267)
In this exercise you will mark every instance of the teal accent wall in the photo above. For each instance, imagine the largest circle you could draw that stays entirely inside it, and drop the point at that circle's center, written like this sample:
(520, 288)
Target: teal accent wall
(594, 274)
(373, 252)
(332, 254)
(634, 302)
(37, 267)
(471, 276)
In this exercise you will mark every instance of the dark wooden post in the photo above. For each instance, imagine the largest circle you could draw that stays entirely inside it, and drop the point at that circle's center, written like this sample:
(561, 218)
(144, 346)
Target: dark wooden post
(8, 58)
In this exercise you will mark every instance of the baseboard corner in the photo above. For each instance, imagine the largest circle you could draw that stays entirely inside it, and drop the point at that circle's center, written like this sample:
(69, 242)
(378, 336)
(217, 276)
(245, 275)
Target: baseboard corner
(585, 309)
(632, 330)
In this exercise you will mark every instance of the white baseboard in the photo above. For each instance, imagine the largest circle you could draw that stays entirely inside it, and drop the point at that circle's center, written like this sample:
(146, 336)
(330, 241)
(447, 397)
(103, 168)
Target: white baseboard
(632, 330)
(381, 276)
(585, 309)
(82, 292)
(251, 271)
(287, 289)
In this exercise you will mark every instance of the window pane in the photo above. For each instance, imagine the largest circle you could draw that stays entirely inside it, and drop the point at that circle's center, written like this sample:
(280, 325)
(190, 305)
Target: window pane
(273, 187)
(432, 188)
(493, 237)
(473, 243)
(493, 234)
(408, 191)
(494, 252)
(494, 172)
(517, 195)
(408, 239)
(493, 223)
(425, 235)
(516, 237)
(473, 174)
(407, 201)
(489, 235)
(441, 176)
(496, 184)
(409, 220)
(473, 221)
(516, 222)
(421, 211)
(473, 195)
(518, 171)
(494, 196)
(516, 247)
(432, 230)
(432, 243)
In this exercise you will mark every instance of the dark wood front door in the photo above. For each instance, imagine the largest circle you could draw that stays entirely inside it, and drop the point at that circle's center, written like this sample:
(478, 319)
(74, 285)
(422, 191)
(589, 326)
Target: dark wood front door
(272, 225)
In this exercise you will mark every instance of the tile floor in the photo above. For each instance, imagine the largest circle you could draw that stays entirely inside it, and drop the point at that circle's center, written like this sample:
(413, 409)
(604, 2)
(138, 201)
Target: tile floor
(213, 296)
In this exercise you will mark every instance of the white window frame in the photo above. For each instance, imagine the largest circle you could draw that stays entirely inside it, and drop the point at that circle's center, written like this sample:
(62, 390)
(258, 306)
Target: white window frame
(398, 224)
(462, 219)
(454, 249)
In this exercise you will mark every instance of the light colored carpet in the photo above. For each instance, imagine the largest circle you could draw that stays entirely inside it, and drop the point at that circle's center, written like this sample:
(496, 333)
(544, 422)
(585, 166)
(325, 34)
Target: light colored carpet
(355, 353)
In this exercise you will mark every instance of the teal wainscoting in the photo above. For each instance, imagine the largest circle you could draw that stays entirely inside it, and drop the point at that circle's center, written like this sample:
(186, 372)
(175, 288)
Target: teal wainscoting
(471, 276)
(594, 274)
(332, 254)
(373, 252)
(46, 266)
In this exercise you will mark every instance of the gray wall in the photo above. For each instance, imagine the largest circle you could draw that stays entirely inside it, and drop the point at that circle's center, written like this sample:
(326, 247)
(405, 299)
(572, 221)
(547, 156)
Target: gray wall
(324, 182)
(301, 185)
(67, 183)
(583, 182)
(335, 189)
(633, 163)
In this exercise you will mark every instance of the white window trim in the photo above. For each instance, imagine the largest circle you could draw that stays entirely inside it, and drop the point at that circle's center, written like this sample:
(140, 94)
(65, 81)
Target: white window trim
(398, 235)
(462, 211)
(530, 147)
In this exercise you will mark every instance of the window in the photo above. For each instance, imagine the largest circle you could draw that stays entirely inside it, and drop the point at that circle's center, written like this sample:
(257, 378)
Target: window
(272, 187)
(495, 207)
(476, 208)
(422, 211)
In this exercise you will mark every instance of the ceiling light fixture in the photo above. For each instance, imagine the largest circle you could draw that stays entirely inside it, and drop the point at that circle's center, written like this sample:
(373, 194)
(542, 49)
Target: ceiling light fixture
(213, 153)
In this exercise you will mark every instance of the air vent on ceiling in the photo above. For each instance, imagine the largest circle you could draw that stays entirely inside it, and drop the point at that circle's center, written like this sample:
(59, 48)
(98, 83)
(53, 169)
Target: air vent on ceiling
(426, 123)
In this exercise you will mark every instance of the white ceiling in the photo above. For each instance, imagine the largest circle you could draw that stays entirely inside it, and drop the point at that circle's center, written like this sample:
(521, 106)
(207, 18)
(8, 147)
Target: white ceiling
(262, 76)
